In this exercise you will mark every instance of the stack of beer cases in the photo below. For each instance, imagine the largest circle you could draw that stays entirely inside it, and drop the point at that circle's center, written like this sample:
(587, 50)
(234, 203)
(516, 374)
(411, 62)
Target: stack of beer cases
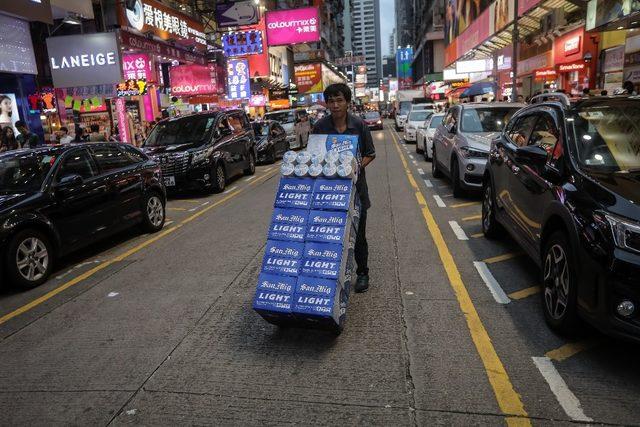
(308, 262)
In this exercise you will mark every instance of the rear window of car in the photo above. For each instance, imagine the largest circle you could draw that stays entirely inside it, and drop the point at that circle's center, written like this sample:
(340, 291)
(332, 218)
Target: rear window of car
(371, 115)
(420, 116)
(436, 121)
(492, 119)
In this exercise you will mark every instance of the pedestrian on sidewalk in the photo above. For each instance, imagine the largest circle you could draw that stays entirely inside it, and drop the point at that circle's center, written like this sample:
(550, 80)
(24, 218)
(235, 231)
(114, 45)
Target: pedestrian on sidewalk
(26, 139)
(340, 121)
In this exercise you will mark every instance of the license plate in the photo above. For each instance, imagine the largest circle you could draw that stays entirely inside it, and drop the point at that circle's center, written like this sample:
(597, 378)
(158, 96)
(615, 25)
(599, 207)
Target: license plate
(170, 181)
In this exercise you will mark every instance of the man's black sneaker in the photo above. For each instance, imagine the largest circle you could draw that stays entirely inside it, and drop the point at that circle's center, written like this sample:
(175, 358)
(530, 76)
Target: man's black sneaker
(362, 284)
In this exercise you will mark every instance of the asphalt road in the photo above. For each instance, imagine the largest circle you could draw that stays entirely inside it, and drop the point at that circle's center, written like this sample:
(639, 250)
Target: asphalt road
(158, 329)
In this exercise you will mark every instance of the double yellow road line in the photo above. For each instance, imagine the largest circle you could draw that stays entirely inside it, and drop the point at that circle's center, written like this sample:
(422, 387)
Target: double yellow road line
(152, 239)
(508, 399)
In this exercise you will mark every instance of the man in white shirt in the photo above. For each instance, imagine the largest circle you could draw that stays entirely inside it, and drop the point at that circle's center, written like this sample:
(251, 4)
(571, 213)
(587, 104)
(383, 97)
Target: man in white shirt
(65, 138)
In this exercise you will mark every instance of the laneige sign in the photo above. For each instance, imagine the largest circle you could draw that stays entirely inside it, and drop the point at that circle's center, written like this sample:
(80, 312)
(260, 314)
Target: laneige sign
(84, 60)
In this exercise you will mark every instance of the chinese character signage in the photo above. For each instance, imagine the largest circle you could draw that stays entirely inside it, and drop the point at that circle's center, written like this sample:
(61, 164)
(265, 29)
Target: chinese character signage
(132, 87)
(151, 16)
(308, 78)
(292, 26)
(193, 80)
(238, 83)
(242, 43)
(137, 66)
(350, 60)
(404, 57)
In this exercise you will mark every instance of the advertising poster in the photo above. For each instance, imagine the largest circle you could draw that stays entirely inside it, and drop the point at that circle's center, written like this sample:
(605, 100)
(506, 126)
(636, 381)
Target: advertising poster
(308, 78)
(460, 14)
(191, 80)
(242, 43)
(292, 26)
(238, 83)
(503, 13)
(8, 110)
(404, 57)
(16, 48)
(137, 66)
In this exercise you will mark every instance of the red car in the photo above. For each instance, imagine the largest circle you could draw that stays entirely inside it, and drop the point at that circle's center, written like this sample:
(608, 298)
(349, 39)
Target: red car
(373, 120)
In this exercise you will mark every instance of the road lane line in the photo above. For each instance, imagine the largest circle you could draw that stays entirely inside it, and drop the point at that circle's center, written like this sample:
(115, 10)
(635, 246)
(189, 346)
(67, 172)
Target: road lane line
(494, 287)
(503, 257)
(414, 162)
(472, 218)
(250, 178)
(439, 201)
(458, 231)
(571, 349)
(477, 235)
(421, 172)
(229, 190)
(428, 183)
(152, 239)
(177, 209)
(525, 293)
(464, 205)
(411, 156)
(569, 402)
(507, 398)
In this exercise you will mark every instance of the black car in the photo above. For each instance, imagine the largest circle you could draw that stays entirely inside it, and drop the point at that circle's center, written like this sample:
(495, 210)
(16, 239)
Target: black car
(203, 151)
(55, 200)
(271, 140)
(564, 180)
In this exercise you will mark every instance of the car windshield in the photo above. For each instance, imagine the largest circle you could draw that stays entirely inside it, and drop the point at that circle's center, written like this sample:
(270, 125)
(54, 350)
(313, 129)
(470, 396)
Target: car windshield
(187, 130)
(486, 119)
(24, 172)
(260, 129)
(420, 116)
(606, 136)
(281, 116)
(435, 121)
(371, 115)
(405, 106)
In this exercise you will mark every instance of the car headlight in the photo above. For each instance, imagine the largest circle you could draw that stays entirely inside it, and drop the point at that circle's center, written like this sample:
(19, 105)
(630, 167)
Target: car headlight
(201, 156)
(379, 122)
(626, 233)
(468, 153)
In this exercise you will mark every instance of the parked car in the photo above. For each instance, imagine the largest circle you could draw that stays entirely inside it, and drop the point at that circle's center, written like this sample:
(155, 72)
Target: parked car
(563, 180)
(56, 200)
(373, 120)
(461, 143)
(415, 119)
(424, 138)
(296, 123)
(203, 151)
(271, 140)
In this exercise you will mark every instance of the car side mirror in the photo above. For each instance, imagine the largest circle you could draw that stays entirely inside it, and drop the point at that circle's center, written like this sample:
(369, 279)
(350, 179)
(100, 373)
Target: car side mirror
(532, 154)
(67, 181)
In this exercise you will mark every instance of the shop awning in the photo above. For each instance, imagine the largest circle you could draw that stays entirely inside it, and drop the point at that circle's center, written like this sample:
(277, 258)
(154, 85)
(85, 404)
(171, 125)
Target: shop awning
(478, 89)
(455, 93)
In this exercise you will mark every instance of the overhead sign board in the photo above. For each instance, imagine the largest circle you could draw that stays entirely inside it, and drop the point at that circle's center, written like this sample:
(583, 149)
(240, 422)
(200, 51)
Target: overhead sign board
(193, 80)
(238, 83)
(16, 48)
(242, 43)
(292, 26)
(151, 16)
(31, 10)
(137, 66)
(131, 41)
(84, 59)
(308, 78)
(236, 14)
(350, 60)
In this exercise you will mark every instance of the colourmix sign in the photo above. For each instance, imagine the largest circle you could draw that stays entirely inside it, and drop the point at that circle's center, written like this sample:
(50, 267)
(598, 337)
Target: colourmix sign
(84, 60)
(292, 26)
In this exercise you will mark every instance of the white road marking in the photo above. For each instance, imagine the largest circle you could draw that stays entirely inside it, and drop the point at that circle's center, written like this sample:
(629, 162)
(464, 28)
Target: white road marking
(428, 183)
(230, 189)
(408, 293)
(411, 156)
(75, 267)
(491, 282)
(439, 201)
(250, 178)
(566, 398)
(421, 172)
(414, 162)
(205, 203)
(113, 294)
(458, 231)
(168, 222)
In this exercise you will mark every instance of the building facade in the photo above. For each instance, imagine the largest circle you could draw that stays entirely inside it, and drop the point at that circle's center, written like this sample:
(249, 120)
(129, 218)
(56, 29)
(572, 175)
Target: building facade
(365, 40)
(428, 40)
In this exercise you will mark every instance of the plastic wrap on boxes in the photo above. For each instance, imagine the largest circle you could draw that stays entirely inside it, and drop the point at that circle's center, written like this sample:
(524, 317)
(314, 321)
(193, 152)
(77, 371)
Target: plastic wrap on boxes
(291, 199)
(301, 170)
(286, 169)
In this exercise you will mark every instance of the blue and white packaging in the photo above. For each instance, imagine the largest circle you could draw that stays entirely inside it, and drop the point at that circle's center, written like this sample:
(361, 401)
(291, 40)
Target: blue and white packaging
(306, 285)
(292, 199)
(279, 265)
(274, 283)
(320, 268)
(313, 304)
(325, 233)
(322, 143)
(331, 201)
(334, 186)
(296, 185)
(322, 251)
(284, 249)
(290, 216)
(289, 232)
(272, 302)
(318, 217)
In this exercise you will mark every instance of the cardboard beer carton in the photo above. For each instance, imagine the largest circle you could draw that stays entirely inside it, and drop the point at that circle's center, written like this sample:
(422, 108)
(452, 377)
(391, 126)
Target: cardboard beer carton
(287, 232)
(292, 199)
(332, 194)
(296, 185)
(280, 265)
(290, 216)
(318, 217)
(274, 293)
(322, 251)
(322, 143)
(284, 249)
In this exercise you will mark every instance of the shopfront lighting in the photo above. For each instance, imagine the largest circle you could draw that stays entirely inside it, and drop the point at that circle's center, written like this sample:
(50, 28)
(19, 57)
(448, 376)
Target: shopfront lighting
(256, 2)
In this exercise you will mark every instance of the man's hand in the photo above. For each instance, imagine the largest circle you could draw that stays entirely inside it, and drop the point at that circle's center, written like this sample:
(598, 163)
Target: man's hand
(365, 161)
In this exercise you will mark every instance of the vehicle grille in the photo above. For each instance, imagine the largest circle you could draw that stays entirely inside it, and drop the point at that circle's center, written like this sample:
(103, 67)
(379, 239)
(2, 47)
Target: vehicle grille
(173, 165)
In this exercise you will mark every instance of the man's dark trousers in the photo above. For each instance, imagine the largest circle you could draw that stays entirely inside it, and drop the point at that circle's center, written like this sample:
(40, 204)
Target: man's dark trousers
(361, 250)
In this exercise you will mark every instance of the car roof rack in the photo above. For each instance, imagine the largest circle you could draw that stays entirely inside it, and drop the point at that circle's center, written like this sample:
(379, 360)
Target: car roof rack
(553, 96)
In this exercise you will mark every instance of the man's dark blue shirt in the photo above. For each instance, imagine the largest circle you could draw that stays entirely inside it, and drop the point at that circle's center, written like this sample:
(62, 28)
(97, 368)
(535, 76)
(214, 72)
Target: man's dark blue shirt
(355, 126)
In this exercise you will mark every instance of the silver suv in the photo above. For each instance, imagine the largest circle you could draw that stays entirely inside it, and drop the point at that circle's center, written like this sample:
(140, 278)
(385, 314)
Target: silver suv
(461, 143)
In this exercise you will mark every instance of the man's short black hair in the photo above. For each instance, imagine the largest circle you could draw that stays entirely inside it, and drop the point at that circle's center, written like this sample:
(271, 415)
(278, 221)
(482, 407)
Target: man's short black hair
(337, 89)
(64, 129)
(20, 124)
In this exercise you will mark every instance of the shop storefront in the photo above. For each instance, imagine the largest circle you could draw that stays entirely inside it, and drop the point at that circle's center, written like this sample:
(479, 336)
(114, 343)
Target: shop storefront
(575, 55)
(530, 83)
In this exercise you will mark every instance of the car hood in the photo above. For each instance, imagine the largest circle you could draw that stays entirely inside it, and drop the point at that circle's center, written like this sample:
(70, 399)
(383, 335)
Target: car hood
(618, 192)
(372, 120)
(169, 149)
(480, 140)
(11, 201)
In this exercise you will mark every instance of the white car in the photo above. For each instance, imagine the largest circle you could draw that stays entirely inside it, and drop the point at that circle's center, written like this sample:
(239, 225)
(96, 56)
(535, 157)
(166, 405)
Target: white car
(295, 123)
(414, 120)
(424, 140)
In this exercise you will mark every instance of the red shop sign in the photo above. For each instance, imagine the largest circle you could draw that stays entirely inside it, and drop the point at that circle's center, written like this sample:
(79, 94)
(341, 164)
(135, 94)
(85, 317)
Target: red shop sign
(545, 74)
(576, 66)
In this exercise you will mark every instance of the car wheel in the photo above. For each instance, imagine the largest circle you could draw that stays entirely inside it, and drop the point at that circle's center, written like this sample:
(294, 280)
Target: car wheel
(435, 169)
(418, 150)
(252, 165)
(490, 227)
(272, 155)
(218, 179)
(154, 213)
(455, 179)
(559, 293)
(29, 259)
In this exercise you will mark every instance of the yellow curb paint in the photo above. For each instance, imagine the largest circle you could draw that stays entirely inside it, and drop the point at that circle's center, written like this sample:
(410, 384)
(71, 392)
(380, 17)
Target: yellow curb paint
(570, 350)
(503, 257)
(524, 293)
